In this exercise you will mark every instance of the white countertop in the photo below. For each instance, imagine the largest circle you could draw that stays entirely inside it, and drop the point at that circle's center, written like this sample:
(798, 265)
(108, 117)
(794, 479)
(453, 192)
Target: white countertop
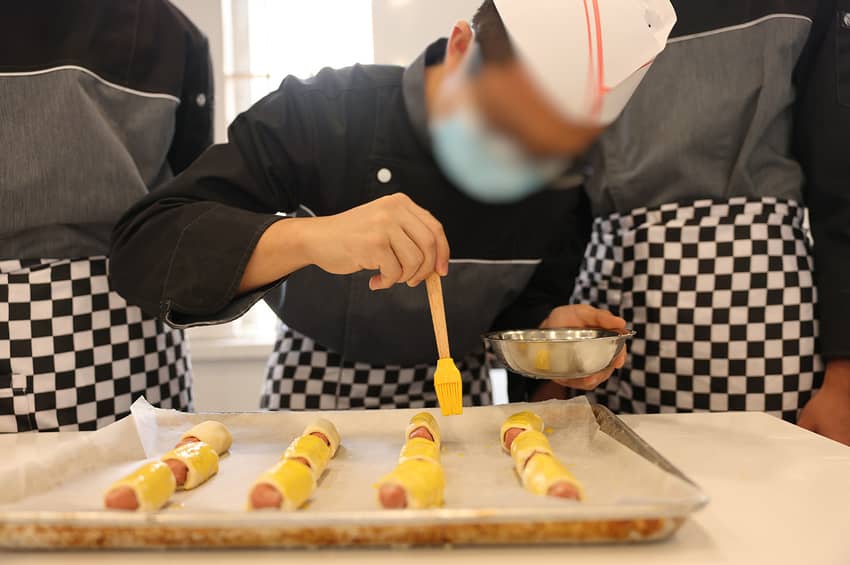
(779, 494)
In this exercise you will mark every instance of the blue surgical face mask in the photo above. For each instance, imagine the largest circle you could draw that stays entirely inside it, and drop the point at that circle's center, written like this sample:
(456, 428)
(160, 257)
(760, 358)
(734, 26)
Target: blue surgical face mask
(486, 164)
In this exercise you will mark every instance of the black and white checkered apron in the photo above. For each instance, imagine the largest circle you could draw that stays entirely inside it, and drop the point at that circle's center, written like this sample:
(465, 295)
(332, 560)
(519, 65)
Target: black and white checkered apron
(74, 355)
(722, 297)
(302, 374)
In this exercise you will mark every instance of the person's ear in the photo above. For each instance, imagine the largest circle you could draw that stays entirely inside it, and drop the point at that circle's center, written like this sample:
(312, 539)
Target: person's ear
(460, 41)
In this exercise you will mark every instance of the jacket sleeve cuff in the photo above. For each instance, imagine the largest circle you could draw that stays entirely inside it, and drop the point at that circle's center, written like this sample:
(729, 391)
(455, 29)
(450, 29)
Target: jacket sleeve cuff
(233, 310)
(219, 244)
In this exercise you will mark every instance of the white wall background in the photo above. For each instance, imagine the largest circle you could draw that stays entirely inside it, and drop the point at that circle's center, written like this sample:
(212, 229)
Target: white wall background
(403, 28)
(206, 14)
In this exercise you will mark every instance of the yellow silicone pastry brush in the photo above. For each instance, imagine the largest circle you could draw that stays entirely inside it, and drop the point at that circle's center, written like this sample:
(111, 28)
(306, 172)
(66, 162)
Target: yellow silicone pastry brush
(447, 380)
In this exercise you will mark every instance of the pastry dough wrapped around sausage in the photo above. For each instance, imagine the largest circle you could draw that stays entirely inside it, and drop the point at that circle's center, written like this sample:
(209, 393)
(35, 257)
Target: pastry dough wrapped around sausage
(152, 484)
(516, 424)
(526, 445)
(311, 449)
(292, 480)
(545, 475)
(425, 421)
(200, 459)
(417, 481)
(421, 481)
(213, 433)
(328, 430)
(420, 448)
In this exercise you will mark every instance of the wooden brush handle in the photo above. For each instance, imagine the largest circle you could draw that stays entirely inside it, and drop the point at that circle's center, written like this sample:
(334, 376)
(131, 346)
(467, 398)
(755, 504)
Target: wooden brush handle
(438, 314)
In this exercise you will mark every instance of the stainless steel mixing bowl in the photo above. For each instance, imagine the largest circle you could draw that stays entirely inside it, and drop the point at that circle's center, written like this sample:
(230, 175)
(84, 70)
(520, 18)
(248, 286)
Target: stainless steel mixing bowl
(565, 353)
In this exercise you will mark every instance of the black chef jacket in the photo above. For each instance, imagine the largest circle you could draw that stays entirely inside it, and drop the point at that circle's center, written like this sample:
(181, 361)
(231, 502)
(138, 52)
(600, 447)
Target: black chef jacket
(321, 146)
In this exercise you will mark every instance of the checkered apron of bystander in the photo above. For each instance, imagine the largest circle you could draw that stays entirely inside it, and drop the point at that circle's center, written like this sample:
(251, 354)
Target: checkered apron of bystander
(722, 298)
(303, 375)
(74, 355)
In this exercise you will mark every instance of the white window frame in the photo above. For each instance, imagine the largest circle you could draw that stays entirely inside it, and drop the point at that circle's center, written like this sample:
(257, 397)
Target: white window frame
(246, 80)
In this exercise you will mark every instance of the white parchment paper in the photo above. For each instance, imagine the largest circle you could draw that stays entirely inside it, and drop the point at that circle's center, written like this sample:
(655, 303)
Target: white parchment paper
(479, 474)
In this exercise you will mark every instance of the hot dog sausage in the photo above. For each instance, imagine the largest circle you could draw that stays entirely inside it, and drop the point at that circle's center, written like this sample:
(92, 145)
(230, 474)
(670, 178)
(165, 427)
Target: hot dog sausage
(121, 498)
(179, 470)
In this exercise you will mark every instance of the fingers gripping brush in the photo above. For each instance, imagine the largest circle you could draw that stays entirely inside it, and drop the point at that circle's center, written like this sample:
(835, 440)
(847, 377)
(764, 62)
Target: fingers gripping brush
(447, 380)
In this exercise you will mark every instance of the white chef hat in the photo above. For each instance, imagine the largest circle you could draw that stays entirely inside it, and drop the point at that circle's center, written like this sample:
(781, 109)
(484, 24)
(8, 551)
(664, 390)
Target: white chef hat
(588, 56)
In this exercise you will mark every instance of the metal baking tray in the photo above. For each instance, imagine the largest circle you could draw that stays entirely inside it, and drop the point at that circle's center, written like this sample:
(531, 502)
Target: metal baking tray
(22, 529)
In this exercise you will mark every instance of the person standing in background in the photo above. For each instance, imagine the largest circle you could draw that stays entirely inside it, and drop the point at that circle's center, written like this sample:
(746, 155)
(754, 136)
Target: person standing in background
(699, 193)
(102, 102)
(378, 168)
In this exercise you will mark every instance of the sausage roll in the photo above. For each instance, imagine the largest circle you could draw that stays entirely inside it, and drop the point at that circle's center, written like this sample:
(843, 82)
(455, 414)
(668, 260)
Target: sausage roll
(310, 450)
(290, 480)
(213, 433)
(417, 481)
(328, 432)
(424, 425)
(420, 448)
(414, 483)
(147, 488)
(545, 475)
(526, 445)
(516, 424)
(200, 461)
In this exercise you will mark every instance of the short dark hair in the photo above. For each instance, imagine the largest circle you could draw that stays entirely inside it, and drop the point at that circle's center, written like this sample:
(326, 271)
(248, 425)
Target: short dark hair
(491, 35)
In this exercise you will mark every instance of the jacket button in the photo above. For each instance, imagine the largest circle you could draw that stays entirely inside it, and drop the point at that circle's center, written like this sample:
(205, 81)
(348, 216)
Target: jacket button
(385, 175)
(845, 19)
(201, 100)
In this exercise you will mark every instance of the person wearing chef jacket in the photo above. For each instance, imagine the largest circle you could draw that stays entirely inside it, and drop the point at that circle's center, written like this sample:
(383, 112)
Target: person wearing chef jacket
(699, 193)
(378, 169)
(100, 103)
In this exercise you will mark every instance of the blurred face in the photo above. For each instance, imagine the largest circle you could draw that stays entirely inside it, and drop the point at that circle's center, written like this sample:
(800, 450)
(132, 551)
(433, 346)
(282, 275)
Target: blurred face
(506, 99)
